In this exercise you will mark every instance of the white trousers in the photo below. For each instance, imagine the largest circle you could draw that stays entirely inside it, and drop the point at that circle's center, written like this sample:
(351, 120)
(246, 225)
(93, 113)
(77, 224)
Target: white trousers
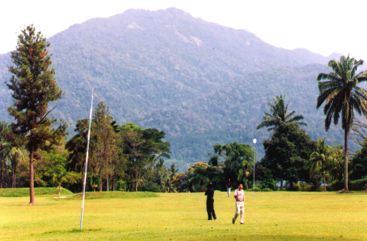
(240, 209)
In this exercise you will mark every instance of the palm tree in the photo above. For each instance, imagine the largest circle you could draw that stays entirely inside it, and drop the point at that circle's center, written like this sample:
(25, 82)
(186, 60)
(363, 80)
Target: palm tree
(16, 155)
(318, 161)
(339, 90)
(5, 147)
(279, 115)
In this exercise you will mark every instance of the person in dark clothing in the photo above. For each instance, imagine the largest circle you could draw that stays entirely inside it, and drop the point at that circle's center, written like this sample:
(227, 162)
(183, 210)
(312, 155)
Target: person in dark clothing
(210, 202)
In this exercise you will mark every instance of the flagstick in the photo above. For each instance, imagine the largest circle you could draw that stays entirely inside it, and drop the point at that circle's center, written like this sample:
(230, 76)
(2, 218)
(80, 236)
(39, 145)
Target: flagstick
(86, 162)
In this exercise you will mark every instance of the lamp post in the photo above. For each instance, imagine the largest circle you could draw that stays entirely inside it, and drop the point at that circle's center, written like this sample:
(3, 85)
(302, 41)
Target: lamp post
(253, 174)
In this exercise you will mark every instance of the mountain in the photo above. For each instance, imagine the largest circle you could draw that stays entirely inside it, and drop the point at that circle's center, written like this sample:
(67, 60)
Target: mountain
(200, 82)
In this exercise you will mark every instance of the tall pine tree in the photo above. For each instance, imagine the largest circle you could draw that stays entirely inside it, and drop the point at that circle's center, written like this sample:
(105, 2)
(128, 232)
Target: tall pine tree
(104, 145)
(33, 86)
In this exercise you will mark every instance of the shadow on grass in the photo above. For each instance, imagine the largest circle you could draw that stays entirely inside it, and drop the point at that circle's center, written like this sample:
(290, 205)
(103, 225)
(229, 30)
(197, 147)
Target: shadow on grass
(282, 237)
(107, 195)
(74, 230)
(199, 236)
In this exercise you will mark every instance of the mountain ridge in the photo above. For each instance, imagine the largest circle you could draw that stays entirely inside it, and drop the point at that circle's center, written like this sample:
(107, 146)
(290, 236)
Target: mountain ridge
(166, 69)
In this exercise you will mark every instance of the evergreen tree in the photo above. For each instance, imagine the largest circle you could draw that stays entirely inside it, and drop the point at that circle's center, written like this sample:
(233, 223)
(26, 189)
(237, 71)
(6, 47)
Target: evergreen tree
(141, 148)
(104, 148)
(77, 146)
(33, 87)
(287, 152)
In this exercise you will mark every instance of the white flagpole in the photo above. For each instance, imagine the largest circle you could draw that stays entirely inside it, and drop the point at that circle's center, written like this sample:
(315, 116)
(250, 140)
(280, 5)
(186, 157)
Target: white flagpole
(86, 162)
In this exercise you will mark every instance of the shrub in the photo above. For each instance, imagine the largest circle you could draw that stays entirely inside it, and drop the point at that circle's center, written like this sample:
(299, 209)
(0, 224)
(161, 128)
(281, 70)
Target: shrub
(335, 186)
(302, 186)
(152, 187)
(270, 184)
(359, 184)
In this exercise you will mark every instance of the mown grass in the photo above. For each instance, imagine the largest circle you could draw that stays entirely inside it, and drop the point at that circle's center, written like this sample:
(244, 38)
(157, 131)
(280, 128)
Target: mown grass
(181, 216)
(108, 195)
(23, 192)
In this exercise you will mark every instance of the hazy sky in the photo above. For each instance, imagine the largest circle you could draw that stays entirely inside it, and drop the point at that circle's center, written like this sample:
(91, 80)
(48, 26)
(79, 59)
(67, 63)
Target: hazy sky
(322, 26)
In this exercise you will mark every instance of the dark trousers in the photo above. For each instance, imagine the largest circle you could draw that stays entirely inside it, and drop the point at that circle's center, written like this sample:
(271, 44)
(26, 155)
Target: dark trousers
(210, 209)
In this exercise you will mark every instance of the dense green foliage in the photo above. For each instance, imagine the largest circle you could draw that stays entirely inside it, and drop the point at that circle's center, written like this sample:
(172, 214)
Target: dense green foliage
(287, 152)
(238, 161)
(325, 164)
(359, 168)
(126, 157)
(143, 149)
(51, 170)
(289, 147)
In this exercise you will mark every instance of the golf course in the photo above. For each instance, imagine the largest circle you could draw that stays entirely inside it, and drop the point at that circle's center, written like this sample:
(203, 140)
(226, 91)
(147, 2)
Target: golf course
(182, 216)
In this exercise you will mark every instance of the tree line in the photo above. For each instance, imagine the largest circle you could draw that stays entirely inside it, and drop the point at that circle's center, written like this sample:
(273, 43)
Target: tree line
(34, 149)
(292, 160)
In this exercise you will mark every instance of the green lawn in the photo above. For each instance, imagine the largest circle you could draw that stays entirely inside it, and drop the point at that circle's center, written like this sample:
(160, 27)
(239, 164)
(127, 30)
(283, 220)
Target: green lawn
(182, 216)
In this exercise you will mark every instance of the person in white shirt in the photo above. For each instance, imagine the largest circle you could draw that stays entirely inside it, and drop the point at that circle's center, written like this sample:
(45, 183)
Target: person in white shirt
(239, 195)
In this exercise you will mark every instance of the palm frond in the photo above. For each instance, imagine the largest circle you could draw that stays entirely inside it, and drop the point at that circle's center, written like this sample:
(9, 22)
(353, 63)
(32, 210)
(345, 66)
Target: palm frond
(327, 95)
(329, 76)
(361, 77)
(357, 63)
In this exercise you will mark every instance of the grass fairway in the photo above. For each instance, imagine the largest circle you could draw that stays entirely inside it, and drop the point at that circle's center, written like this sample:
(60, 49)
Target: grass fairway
(182, 216)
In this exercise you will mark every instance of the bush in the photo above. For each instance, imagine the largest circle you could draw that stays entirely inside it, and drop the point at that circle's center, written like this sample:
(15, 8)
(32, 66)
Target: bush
(257, 189)
(152, 187)
(335, 186)
(121, 185)
(302, 186)
(270, 184)
(359, 184)
(267, 190)
(305, 187)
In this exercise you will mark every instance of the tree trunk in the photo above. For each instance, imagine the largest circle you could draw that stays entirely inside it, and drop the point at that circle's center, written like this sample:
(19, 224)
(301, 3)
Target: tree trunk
(1, 172)
(14, 166)
(31, 178)
(13, 179)
(136, 181)
(108, 184)
(346, 174)
(100, 184)
(59, 190)
(113, 183)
